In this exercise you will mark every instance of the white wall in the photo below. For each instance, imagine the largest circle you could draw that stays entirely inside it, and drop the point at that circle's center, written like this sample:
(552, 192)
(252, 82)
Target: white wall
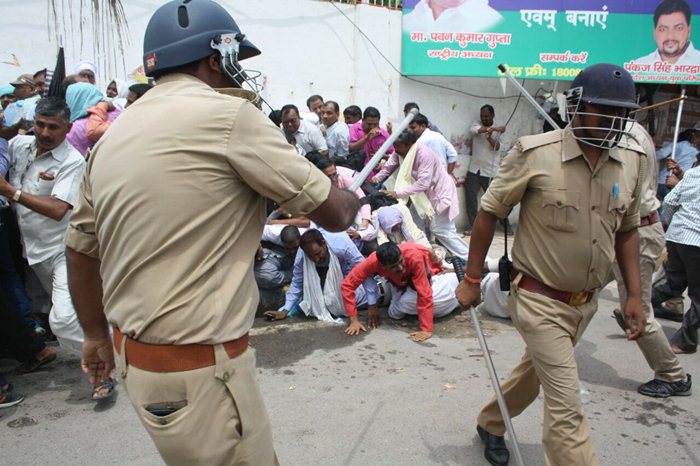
(308, 47)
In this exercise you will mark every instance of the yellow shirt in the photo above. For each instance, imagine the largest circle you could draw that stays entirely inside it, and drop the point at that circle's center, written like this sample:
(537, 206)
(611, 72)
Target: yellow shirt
(173, 204)
(569, 212)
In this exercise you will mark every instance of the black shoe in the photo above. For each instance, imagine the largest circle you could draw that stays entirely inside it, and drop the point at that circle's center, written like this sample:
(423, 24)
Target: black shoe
(661, 313)
(660, 389)
(495, 450)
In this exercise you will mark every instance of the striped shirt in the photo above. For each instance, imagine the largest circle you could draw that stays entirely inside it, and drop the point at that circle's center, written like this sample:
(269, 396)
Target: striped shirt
(682, 210)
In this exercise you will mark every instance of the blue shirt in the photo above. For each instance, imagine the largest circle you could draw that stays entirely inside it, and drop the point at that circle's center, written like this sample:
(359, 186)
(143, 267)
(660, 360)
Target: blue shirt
(686, 154)
(682, 210)
(348, 256)
(4, 165)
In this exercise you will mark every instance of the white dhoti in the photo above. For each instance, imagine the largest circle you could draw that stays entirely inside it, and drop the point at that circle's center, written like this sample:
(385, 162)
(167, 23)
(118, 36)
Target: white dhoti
(495, 301)
(403, 302)
(53, 275)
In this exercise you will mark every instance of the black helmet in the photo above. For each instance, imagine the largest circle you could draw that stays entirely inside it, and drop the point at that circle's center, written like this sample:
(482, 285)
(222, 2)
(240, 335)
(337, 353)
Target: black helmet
(605, 84)
(182, 31)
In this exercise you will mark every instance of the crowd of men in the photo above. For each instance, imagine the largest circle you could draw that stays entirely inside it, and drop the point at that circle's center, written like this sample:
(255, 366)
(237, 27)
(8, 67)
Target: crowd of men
(44, 145)
(78, 226)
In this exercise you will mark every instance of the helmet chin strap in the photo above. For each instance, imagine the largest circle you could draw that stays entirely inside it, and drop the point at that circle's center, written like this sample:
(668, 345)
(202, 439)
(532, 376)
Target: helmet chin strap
(228, 46)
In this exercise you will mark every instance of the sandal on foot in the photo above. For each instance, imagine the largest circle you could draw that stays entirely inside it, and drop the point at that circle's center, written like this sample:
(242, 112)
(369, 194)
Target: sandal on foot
(107, 385)
(33, 364)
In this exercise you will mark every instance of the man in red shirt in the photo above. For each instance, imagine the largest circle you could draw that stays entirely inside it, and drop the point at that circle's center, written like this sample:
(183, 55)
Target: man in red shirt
(417, 282)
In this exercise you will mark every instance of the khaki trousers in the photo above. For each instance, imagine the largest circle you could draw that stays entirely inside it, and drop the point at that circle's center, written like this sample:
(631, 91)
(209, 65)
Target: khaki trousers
(653, 344)
(550, 329)
(221, 418)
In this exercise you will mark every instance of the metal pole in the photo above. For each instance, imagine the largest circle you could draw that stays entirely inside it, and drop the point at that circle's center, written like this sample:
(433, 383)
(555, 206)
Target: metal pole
(497, 387)
(527, 95)
(459, 264)
(678, 125)
(359, 179)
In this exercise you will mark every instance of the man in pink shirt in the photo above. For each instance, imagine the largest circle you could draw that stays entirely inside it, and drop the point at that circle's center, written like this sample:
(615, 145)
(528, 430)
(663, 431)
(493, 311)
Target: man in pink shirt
(367, 135)
(428, 177)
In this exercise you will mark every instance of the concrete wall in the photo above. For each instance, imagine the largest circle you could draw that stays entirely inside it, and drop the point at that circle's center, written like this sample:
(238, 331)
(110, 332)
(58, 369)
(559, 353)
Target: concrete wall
(309, 47)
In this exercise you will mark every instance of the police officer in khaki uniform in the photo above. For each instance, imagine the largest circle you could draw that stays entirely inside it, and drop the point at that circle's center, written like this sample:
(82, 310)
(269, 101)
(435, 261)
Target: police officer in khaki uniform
(669, 377)
(578, 213)
(171, 211)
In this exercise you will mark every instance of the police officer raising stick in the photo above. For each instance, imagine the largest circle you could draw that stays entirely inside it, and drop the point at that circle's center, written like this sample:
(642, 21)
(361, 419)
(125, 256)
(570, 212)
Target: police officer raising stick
(579, 197)
(160, 243)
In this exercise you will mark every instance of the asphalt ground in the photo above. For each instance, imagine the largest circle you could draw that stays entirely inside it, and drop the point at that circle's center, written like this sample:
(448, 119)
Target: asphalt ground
(376, 399)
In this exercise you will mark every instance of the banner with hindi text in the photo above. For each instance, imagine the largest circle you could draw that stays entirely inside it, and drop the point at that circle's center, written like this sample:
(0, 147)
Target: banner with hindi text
(550, 39)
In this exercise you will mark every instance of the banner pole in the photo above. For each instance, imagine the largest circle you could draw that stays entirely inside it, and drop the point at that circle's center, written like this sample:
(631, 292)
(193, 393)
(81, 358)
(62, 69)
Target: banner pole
(678, 125)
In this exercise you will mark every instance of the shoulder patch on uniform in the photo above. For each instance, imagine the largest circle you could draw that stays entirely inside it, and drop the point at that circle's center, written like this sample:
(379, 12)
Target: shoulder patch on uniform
(526, 143)
(630, 143)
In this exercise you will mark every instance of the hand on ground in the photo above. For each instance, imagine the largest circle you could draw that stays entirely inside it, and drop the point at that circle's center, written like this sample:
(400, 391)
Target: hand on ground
(421, 336)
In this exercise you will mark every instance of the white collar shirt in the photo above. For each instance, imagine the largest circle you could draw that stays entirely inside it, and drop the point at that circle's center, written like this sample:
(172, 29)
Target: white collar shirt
(484, 159)
(471, 16)
(441, 146)
(42, 236)
(309, 137)
(690, 57)
(337, 138)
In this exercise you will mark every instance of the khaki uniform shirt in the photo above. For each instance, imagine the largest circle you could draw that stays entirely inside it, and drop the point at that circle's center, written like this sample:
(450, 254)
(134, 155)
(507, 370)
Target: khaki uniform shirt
(648, 202)
(173, 204)
(569, 213)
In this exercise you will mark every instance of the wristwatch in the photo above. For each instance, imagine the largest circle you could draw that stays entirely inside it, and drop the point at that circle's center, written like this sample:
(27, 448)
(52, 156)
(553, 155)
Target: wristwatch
(17, 195)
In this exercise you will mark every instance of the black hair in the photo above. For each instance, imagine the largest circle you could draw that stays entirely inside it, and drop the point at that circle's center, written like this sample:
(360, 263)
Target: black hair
(388, 253)
(289, 234)
(421, 119)
(406, 137)
(314, 156)
(289, 107)
(312, 98)
(311, 236)
(353, 110)
(409, 106)
(276, 117)
(668, 7)
(40, 72)
(371, 112)
(186, 68)
(489, 108)
(334, 104)
(53, 106)
(140, 89)
(324, 163)
(686, 135)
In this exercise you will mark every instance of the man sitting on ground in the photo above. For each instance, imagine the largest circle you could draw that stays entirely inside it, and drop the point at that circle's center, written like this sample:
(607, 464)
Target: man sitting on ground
(418, 287)
(319, 268)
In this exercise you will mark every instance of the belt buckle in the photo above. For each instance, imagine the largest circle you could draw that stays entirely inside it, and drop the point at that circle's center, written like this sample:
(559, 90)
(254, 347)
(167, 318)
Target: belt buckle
(578, 299)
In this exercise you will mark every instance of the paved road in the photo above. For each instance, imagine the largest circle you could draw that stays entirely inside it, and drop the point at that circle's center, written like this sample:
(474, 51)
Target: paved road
(377, 399)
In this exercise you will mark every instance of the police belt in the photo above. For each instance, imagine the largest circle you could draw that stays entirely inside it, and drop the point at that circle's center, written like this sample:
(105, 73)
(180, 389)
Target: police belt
(650, 219)
(174, 358)
(533, 285)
